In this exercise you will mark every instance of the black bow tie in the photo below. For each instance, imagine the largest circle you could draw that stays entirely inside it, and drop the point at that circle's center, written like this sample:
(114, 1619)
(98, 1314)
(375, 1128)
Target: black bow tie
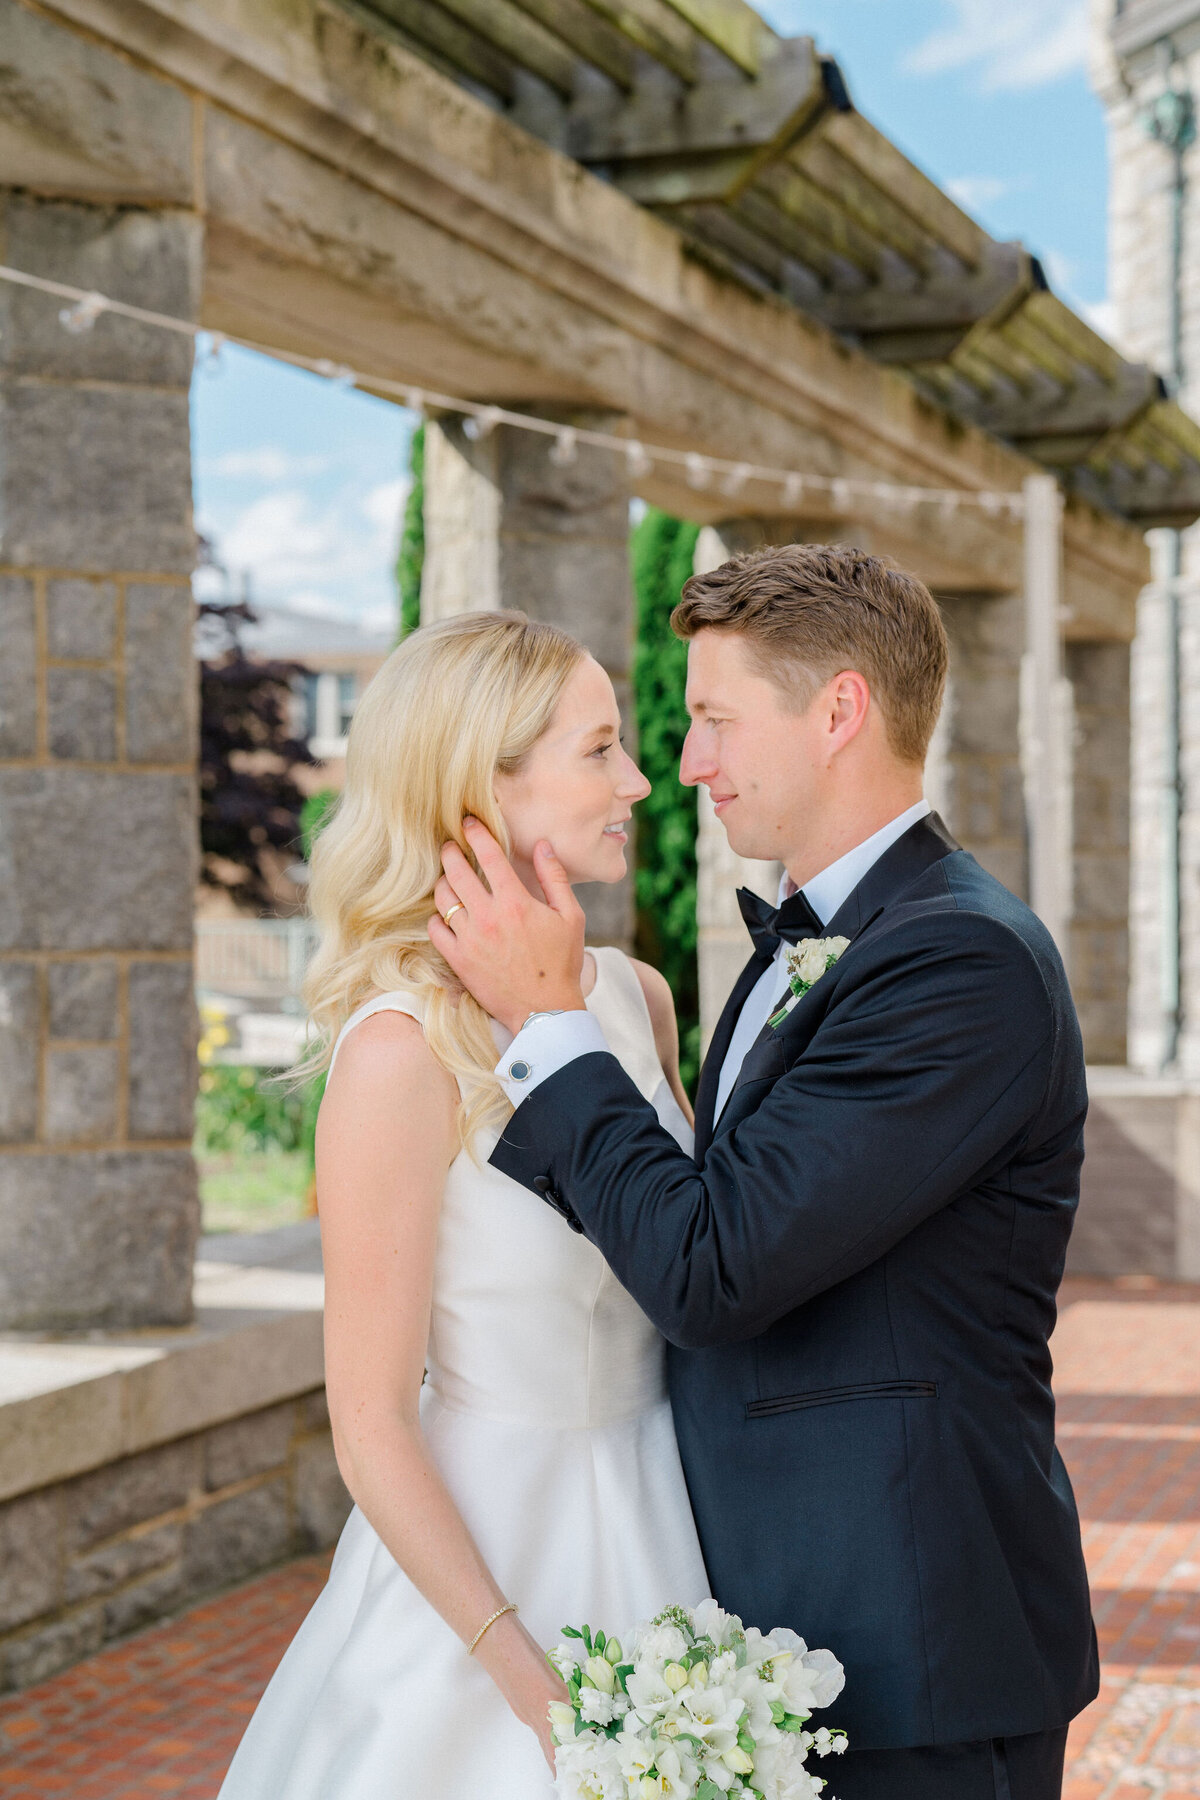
(768, 924)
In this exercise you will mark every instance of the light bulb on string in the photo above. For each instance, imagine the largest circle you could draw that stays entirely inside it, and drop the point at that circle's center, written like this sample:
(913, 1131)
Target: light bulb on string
(481, 424)
(842, 495)
(992, 504)
(735, 480)
(793, 490)
(637, 460)
(83, 315)
(698, 469)
(213, 364)
(414, 399)
(565, 448)
(339, 373)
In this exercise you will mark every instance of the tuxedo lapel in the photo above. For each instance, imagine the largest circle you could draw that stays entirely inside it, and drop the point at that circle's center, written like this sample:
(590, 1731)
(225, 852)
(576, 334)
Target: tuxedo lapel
(923, 844)
(710, 1074)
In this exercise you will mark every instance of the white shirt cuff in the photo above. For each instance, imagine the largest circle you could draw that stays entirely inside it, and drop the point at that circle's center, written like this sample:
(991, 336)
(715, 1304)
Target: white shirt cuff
(544, 1047)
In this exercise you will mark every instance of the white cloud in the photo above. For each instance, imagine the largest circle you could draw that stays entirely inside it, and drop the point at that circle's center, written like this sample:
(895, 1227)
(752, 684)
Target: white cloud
(265, 462)
(975, 191)
(316, 552)
(1101, 315)
(384, 504)
(1061, 271)
(1015, 44)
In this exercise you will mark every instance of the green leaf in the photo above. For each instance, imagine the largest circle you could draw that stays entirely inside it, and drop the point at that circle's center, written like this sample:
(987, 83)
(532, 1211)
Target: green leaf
(570, 1631)
(794, 1721)
(601, 1640)
(778, 1711)
(746, 1742)
(622, 1672)
(708, 1790)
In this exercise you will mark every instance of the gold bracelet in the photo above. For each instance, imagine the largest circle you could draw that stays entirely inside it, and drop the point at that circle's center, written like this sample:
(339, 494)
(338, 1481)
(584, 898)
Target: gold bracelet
(499, 1614)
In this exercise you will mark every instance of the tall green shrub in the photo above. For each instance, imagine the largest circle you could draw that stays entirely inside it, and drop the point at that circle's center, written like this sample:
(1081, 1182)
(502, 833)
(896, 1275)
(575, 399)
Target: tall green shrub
(411, 559)
(662, 549)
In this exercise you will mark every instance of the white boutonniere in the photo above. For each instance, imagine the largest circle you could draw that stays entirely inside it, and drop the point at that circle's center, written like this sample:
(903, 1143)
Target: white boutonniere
(806, 964)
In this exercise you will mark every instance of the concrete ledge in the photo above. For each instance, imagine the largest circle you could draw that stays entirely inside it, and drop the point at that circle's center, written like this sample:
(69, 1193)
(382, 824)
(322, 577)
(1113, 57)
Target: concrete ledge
(142, 1470)
(1139, 1211)
(71, 1402)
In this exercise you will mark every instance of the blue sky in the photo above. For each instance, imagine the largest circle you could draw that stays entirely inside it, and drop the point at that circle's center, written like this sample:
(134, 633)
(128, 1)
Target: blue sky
(300, 483)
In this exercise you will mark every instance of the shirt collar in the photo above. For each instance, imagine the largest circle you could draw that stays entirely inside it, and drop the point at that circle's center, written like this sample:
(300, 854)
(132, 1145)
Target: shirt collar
(826, 891)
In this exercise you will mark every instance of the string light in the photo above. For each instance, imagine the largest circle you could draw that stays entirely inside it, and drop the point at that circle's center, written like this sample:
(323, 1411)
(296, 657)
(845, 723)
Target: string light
(481, 424)
(699, 470)
(339, 373)
(83, 315)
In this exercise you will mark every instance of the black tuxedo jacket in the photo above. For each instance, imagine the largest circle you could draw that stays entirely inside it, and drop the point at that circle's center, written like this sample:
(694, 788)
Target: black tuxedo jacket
(857, 1281)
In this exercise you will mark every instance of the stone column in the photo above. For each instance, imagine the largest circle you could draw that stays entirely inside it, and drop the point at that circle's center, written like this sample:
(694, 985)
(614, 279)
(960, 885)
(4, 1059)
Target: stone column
(1099, 928)
(722, 944)
(508, 526)
(978, 776)
(98, 1208)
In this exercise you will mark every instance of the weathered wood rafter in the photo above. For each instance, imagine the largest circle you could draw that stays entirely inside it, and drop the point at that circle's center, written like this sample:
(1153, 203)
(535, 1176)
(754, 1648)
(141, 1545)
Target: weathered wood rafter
(748, 144)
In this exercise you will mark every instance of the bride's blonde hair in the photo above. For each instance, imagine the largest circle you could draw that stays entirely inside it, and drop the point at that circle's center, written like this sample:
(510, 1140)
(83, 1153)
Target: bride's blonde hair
(454, 705)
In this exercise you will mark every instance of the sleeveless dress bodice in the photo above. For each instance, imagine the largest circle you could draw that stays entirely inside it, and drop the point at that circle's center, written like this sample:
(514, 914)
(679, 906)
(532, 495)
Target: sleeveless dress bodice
(544, 1407)
(510, 1281)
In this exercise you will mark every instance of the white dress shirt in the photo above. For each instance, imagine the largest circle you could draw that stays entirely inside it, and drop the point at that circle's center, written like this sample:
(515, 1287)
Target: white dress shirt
(547, 1045)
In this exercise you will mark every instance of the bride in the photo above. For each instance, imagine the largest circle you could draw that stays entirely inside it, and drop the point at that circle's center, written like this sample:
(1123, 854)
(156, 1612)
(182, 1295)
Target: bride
(498, 1401)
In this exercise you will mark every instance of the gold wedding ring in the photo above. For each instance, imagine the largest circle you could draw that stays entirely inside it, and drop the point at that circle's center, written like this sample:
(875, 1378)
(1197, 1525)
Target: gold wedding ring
(457, 907)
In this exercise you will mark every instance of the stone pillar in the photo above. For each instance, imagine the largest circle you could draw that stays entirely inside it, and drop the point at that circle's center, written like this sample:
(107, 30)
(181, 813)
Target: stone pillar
(1098, 674)
(98, 1208)
(508, 526)
(978, 766)
(722, 944)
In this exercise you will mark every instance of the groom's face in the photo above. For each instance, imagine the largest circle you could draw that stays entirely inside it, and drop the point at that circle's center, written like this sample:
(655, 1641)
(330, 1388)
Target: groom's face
(761, 761)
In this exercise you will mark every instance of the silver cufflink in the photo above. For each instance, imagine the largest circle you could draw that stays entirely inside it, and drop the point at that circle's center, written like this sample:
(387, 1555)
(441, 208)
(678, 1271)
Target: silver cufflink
(520, 1071)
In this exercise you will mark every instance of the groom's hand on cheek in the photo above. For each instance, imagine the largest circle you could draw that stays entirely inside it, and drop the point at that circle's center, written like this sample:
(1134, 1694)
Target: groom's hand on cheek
(517, 955)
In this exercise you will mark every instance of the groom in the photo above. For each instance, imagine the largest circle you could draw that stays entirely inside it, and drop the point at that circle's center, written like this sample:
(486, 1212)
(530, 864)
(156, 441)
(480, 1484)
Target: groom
(857, 1274)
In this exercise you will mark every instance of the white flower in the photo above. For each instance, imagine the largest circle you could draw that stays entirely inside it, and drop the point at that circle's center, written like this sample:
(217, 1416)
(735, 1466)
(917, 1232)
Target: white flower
(812, 1678)
(675, 1676)
(597, 1708)
(712, 1622)
(660, 1643)
(564, 1659)
(599, 1671)
(562, 1721)
(810, 957)
(739, 1760)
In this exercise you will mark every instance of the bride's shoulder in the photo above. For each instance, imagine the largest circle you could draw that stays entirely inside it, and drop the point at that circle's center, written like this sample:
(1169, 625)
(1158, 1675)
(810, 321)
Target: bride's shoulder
(383, 1043)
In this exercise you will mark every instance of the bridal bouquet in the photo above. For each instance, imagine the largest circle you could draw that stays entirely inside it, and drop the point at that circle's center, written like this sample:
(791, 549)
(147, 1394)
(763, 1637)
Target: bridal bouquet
(693, 1707)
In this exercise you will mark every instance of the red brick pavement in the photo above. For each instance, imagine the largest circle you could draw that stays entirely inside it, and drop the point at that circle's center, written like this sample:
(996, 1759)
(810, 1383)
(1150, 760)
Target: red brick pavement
(157, 1718)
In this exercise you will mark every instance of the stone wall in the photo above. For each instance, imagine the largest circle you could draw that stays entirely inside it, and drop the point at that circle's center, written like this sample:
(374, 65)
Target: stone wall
(1142, 173)
(1099, 933)
(90, 1559)
(98, 1208)
(979, 760)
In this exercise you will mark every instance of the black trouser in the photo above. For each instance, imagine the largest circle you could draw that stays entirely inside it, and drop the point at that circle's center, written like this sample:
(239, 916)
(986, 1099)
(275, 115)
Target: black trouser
(1019, 1768)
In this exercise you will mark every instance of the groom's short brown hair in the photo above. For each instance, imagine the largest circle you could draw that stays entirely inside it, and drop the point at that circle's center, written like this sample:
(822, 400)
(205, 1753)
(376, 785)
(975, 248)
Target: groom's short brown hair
(808, 611)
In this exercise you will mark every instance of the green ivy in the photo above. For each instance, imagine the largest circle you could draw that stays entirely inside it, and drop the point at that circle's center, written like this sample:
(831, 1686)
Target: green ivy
(661, 549)
(242, 1108)
(411, 558)
(313, 815)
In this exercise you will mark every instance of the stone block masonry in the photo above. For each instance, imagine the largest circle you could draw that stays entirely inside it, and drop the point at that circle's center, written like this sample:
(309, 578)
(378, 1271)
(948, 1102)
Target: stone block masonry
(98, 724)
(90, 1559)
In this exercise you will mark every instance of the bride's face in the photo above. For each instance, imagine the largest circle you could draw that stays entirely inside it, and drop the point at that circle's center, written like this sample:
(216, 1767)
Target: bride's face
(577, 787)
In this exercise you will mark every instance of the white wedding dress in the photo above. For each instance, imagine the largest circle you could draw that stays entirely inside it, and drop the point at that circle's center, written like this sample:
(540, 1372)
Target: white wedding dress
(545, 1408)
